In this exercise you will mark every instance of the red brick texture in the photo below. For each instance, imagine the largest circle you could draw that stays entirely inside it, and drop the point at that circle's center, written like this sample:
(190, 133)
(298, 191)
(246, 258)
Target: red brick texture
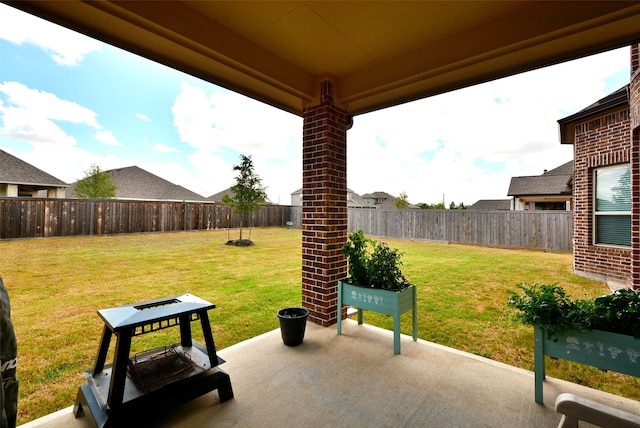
(609, 139)
(600, 141)
(634, 105)
(324, 206)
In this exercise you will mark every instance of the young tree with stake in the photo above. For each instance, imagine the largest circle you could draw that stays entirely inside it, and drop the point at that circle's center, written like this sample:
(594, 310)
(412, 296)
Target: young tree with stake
(248, 196)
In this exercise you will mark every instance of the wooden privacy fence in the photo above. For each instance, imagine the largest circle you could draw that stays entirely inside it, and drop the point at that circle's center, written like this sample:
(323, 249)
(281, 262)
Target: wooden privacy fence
(547, 230)
(32, 218)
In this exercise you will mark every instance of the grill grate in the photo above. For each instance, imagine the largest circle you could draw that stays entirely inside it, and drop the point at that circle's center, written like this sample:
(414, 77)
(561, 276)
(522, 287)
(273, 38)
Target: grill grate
(152, 372)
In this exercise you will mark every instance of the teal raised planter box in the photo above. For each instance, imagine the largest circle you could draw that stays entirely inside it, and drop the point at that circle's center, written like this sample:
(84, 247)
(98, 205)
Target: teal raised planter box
(607, 351)
(391, 303)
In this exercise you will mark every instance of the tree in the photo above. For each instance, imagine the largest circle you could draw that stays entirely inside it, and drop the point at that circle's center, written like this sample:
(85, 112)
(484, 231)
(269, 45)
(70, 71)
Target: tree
(438, 206)
(248, 196)
(96, 184)
(453, 206)
(402, 201)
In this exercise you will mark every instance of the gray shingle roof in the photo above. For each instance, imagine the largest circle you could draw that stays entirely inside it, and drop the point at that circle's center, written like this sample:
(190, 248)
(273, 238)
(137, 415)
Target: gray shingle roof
(491, 205)
(217, 197)
(614, 100)
(389, 202)
(136, 183)
(554, 182)
(17, 171)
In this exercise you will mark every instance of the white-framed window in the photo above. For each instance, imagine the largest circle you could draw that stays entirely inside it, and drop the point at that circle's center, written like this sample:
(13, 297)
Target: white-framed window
(612, 205)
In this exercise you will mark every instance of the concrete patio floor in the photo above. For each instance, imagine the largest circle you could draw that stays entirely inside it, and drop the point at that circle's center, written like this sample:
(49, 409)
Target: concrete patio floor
(355, 380)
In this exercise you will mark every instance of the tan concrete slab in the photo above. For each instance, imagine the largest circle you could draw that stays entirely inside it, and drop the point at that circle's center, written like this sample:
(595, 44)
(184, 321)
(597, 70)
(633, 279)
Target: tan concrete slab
(355, 380)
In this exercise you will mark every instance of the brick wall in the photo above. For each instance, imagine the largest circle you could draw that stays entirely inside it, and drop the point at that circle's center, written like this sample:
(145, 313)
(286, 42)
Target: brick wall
(634, 103)
(324, 206)
(601, 141)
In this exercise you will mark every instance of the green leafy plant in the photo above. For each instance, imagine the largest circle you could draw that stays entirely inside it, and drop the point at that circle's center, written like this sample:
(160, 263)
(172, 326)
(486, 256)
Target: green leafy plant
(357, 250)
(384, 268)
(373, 264)
(549, 307)
(618, 312)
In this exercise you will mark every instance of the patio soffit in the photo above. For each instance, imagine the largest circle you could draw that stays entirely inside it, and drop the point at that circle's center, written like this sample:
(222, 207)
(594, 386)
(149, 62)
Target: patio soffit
(378, 53)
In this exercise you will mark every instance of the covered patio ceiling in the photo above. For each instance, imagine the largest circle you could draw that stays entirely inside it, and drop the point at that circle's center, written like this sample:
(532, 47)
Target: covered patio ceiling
(378, 53)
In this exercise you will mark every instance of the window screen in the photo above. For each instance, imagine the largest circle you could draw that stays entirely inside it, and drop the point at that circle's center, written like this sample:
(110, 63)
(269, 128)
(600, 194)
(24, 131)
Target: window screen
(612, 207)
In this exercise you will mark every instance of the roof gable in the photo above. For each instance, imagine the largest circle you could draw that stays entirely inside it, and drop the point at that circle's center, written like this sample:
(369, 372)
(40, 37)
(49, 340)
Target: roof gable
(136, 183)
(614, 101)
(554, 182)
(16, 171)
(491, 205)
(217, 197)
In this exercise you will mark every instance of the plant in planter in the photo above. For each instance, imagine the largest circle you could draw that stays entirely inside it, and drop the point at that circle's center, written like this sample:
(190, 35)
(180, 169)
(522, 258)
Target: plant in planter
(373, 264)
(603, 332)
(549, 308)
(376, 283)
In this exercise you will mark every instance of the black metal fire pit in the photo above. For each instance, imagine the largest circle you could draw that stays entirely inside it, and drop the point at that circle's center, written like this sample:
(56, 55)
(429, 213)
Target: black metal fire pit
(130, 388)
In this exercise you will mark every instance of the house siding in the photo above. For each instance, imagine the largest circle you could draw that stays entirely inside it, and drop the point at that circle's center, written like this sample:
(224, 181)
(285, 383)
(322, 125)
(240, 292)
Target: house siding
(601, 141)
(634, 104)
(12, 190)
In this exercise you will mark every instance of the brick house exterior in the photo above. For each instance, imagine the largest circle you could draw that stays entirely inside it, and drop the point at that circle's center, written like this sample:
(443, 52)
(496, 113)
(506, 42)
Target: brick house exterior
(605, 134)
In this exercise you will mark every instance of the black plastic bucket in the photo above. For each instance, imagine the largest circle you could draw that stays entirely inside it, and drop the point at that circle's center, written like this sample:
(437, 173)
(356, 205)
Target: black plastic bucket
(293, 322)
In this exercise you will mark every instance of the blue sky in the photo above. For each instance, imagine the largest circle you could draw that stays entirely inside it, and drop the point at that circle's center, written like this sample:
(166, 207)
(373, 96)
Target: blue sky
(68, 101)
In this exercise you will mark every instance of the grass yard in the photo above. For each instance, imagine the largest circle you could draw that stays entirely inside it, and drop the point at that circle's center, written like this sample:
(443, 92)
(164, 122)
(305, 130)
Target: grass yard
(56, 286)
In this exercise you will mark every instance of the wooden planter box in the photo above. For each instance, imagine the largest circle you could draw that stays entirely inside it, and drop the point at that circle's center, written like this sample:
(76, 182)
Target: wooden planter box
(601, 349)
(391, 303)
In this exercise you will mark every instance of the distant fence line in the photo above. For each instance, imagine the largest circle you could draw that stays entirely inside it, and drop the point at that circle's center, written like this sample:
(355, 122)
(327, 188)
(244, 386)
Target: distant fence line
(546, 230)
(42, 217)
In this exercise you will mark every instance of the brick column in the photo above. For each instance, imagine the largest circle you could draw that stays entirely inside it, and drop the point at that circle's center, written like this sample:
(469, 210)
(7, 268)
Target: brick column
(634, 113)
(324, 205)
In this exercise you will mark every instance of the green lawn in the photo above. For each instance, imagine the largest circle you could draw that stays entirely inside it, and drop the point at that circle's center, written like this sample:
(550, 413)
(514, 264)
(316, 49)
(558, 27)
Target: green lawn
(56, 286)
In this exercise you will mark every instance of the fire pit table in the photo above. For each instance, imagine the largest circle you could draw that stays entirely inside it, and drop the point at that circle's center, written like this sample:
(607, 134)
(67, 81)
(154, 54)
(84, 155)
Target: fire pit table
(119, 393)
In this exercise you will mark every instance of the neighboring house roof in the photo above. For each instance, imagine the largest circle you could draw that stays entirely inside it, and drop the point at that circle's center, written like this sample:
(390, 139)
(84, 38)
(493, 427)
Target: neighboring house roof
(378, 195)
(356, 201)
(491, 205)
(388, 201)
(554, 182)
(615, 100)
(16, 171)
(353, 199)
(368, 200)
(217, 197)
(136, 183)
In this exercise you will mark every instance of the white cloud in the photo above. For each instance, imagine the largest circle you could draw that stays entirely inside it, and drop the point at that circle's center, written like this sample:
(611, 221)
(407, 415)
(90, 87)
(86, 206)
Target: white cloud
(20, 124)
(193, 118)
(217, 124)
(468, 144)
(64, 46)
(108, 138)
(32, 116)
(211, 173)
(163, 148)
(46, 104)
(228, 120)
(143, 117)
